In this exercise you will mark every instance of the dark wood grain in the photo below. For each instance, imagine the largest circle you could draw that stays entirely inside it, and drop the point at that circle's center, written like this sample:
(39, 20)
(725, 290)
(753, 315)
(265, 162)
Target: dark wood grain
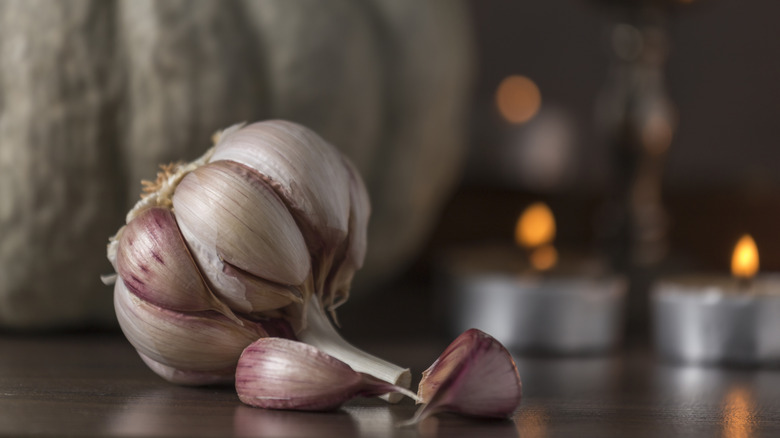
(95, 385)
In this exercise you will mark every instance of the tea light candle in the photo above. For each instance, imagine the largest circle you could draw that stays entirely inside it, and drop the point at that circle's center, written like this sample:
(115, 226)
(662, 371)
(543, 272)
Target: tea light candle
(535, 303)
(716, 319)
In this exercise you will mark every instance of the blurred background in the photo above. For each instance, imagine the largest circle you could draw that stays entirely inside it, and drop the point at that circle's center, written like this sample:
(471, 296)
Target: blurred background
(647, 126)
(713, 178)
(719, 175)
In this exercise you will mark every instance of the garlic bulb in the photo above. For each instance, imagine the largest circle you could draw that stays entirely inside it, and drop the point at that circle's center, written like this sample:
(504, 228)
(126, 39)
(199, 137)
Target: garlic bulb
(260, 236)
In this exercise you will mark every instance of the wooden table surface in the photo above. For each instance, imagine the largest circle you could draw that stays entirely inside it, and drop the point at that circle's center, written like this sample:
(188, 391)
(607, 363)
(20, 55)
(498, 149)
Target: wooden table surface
(95, 385)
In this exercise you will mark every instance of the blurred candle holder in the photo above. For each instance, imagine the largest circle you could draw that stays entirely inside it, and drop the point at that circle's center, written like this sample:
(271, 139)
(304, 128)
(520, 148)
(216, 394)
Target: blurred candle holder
(711, 319)
(533, 299)
(637, 120)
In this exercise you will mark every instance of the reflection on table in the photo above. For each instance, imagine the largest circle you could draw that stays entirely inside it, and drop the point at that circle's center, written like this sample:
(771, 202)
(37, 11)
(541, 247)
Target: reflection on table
(97, 385)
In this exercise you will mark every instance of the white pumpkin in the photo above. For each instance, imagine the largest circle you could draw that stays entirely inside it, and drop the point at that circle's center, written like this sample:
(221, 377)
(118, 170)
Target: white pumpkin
(95, 94)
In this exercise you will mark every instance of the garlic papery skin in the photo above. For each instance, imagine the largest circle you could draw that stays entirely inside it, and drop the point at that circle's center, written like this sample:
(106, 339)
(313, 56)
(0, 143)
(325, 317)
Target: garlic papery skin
(285, 155)
(332, 209)
(278, 373)
(230, 216)
(475, 376)
(156, 265)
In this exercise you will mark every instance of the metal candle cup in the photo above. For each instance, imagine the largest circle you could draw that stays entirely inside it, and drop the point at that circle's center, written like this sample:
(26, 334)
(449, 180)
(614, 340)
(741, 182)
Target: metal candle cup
(552, 313)
(716, 319)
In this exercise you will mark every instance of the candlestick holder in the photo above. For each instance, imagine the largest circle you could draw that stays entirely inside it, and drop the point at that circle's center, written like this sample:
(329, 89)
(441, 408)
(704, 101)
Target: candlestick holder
(638, 120)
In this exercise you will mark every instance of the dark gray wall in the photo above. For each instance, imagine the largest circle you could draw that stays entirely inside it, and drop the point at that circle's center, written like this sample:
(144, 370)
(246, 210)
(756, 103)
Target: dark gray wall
(722, 72)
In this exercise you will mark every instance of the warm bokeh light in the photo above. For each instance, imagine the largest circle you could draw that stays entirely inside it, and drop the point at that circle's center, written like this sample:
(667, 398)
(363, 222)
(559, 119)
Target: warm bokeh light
(744, 260)
(531, 423)
(657, 134)
(536, 226)
(738, 418)
(543, 258)
(518, 99)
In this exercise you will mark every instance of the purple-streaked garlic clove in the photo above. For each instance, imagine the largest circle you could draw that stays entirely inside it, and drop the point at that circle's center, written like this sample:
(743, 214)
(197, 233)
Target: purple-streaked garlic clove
(204, 341)
(278, 373)
(156, 265)
(273, 327)
(474, 376)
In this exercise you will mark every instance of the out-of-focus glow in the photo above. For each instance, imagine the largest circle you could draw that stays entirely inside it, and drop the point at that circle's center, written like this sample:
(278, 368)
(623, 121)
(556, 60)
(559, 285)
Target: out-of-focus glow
(531, 423)
(518, 99)
(543, 258)
(536, 226)
(541, 155)
(744, 259)
(657, 134)
(738, 419)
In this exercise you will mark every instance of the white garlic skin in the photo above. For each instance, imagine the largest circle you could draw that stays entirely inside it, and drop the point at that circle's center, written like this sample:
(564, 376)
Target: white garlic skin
(322, 189)
(306, 171)
(242, 235)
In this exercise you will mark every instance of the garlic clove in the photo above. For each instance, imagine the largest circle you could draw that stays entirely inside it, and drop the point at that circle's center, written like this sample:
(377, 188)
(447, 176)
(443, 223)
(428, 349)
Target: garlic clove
(278, 373)
(228, 212)
(156, 265)
(305, 170)
(475, 375)
(204, 341)
(190, 378)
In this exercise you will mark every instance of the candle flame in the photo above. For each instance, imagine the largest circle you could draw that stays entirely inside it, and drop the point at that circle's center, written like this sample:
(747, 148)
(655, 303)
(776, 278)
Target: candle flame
(536, 226)
(744, 259)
